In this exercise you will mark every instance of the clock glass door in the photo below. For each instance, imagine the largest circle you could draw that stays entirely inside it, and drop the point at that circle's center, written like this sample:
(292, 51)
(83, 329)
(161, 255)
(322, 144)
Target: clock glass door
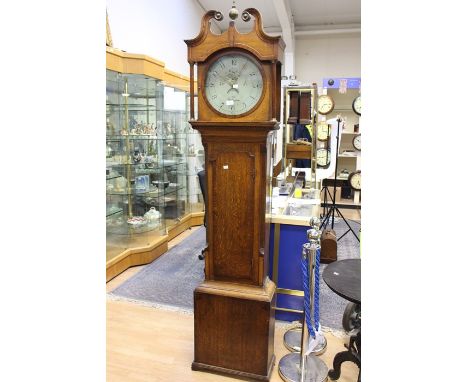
(234, 84)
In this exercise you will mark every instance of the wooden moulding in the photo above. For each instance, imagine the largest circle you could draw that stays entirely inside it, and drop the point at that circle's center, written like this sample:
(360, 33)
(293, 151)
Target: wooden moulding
(145, 255)
(257, 42)
(132, 63)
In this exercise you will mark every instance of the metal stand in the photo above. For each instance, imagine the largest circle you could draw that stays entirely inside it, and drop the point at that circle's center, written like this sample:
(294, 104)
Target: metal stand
(353, 354)
(292, 339)
(351, 323)
(300, 367)
(333, 208)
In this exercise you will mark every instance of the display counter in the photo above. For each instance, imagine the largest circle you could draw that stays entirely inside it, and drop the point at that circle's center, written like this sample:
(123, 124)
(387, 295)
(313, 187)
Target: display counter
(292, 209)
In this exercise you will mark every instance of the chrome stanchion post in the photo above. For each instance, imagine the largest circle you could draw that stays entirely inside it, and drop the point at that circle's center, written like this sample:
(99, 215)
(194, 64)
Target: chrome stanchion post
(304, 366)
(292, 339)
(314, 235)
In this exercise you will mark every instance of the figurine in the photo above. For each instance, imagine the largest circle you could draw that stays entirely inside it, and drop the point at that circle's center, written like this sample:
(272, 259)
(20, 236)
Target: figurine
(137, 156)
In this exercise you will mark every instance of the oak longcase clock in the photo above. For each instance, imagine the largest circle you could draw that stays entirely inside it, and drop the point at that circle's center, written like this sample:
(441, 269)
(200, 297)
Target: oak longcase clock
(238, 87)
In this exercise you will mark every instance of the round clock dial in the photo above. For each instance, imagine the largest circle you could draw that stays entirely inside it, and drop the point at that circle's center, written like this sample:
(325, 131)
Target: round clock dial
(322, 131)
(233, 84)
(355, 180)
(325, 104)
(323, 157)
(357, 105)
(357, 142)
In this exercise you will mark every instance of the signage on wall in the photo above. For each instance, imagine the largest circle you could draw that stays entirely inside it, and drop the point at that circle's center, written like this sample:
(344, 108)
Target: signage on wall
(334, 82)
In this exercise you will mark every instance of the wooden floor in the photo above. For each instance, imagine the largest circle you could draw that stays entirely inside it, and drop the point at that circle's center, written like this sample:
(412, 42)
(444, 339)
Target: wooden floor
(147, 344)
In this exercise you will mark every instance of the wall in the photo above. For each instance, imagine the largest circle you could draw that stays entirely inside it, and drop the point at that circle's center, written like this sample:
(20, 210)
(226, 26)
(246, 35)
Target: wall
(318, 57)
(155, 28)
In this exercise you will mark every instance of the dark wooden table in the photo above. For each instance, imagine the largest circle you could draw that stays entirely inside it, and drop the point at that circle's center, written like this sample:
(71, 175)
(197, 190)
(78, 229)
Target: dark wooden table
(344, 278)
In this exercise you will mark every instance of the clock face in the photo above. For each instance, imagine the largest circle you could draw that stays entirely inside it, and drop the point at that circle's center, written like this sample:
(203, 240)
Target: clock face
(357, 105)
(323, 157)
(357, 142)
(325, 104)
(322, 131)
(355, 180)
(234, 84)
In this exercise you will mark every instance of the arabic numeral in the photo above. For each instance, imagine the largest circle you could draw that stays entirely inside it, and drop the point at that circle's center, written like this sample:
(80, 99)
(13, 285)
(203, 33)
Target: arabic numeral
(214, 96)
(252, 74)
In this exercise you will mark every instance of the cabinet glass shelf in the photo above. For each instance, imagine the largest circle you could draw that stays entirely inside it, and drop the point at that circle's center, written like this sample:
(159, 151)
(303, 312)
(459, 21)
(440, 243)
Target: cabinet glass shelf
(168, 163)
(180, 136)
(136, 101)
(128, 229)
(113, 211)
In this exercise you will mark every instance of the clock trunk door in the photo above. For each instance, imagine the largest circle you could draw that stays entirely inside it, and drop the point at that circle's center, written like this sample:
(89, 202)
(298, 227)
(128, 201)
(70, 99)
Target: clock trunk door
(233, 225)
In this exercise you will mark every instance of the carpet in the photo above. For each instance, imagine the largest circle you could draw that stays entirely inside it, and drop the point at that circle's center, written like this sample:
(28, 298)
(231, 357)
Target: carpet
(169, 281)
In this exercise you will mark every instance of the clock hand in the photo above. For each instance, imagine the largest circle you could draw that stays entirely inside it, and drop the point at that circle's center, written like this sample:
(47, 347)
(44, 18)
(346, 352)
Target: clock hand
(240, 71)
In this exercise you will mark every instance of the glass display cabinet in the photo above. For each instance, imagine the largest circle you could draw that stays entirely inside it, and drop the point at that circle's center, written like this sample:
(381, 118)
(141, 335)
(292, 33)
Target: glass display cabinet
(150, 173)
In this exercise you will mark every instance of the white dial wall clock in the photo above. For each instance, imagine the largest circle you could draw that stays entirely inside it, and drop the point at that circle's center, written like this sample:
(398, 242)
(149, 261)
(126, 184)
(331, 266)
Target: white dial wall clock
(325, 104)
(357, 142)
(323, 131)
(355, 180)
(234, 84)
(357, 105)
(323, 157)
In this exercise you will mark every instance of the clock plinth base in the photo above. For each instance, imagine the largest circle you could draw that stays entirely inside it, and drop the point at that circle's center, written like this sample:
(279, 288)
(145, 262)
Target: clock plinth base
(234, 329)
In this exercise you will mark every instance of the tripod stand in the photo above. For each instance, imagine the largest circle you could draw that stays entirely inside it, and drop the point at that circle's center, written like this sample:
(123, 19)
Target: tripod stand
(333, 207)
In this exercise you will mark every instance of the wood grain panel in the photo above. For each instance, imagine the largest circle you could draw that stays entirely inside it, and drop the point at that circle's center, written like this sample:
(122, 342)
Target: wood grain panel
(234, 176)
(226, 343)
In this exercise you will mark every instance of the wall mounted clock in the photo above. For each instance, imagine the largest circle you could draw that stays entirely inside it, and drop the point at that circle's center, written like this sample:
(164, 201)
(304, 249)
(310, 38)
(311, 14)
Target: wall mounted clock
(357, 142)
(323, 131)
(325, 104)
(357, 105)
(234, 84)
(355, 180)
(323, 157)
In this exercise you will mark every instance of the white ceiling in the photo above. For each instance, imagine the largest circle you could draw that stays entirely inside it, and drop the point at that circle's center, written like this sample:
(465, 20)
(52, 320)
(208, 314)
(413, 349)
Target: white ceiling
(307, 15)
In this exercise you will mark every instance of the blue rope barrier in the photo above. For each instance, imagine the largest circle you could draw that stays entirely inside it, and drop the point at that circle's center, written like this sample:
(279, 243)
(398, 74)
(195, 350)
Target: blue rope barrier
(305, 283)
(317, 290)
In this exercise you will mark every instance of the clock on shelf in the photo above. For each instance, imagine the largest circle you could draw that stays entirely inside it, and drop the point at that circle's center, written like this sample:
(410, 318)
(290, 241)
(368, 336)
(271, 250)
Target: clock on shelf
(325, 104)
(355, 180)
(323, 131)
(239, 100)
(357, 142)
(357, 105)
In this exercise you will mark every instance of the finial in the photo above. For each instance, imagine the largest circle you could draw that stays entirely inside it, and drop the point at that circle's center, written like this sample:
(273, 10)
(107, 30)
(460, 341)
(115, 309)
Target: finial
(233, 13)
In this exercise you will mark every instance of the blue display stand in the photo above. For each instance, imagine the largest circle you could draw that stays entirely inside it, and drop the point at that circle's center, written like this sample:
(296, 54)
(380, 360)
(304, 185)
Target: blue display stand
(288, 277)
